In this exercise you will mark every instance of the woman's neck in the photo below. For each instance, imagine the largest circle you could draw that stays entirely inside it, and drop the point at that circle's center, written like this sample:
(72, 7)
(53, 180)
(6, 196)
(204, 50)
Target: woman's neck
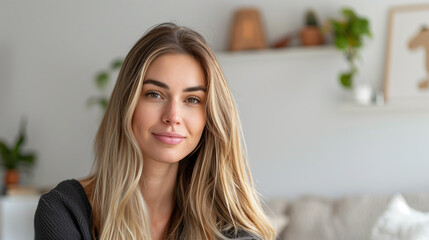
(157, 187)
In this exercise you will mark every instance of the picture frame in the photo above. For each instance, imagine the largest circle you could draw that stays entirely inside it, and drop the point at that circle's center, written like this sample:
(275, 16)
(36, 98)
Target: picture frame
(407, 55)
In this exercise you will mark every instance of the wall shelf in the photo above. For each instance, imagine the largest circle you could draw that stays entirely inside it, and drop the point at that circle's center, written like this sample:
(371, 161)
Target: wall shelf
(399, 107)
(288, 53)
(276, 53)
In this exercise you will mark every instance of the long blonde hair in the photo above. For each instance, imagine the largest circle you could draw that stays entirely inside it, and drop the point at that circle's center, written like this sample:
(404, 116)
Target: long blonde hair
(214, 192)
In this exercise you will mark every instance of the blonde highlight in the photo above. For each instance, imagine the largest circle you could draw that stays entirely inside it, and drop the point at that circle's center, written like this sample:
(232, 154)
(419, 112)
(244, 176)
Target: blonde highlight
(214, 193)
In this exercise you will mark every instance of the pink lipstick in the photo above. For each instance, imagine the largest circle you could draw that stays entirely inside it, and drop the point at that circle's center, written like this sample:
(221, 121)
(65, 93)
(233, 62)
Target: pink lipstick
(170, 138)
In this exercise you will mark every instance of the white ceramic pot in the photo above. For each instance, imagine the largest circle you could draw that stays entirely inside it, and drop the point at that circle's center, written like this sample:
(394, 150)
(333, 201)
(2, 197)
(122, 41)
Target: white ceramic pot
(363, 93)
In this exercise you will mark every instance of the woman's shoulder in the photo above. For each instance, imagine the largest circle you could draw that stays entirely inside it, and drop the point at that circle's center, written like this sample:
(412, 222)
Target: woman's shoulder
(63, 212)
(71, 187)
(69, 193)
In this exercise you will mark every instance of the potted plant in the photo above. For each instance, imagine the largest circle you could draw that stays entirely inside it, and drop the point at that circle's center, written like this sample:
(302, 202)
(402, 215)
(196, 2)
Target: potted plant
(13, 157)
(349, 34)
(311, 35)
(102, 80)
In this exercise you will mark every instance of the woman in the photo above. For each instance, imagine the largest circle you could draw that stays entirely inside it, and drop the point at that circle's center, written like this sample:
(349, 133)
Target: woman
(169, 161)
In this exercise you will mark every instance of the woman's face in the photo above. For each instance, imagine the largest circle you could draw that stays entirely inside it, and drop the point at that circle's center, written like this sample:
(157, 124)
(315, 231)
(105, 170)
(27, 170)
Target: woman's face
(170, 115)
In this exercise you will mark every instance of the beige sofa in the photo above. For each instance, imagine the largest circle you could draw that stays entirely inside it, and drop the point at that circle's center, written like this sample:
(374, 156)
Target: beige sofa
(344, 218)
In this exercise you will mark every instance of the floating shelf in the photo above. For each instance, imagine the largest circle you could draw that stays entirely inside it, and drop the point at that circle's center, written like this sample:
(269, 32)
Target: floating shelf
(399, 107)
(288, 53)
(277, 54)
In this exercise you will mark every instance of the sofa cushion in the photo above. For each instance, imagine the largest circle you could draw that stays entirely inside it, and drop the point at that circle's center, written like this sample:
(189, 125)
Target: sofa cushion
(400, 222)
(348, 217)
(276, 213)
(309, 219)
(354, 216)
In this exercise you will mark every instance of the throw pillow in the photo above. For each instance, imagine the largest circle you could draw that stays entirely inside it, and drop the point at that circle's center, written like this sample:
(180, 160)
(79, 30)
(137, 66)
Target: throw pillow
(401, 222)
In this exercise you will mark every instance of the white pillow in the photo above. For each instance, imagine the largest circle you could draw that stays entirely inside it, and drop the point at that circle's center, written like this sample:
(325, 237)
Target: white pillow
(400, 222)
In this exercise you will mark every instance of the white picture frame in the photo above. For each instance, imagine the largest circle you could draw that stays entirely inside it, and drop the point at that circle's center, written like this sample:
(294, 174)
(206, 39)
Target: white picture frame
(407, 55)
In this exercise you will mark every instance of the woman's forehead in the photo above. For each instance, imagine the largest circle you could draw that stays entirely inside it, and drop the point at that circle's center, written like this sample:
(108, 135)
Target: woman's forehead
(176, 70)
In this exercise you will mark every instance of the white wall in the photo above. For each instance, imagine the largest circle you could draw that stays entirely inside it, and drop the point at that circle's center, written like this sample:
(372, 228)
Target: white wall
(300, 138)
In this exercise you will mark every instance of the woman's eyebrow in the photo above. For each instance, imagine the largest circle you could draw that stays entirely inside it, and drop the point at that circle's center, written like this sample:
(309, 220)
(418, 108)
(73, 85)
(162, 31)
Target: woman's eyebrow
(194, 89)
(157, 83)
(163, 85)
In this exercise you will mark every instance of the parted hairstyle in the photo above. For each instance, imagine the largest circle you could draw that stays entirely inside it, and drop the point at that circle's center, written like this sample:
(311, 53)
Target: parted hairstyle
(214, 192)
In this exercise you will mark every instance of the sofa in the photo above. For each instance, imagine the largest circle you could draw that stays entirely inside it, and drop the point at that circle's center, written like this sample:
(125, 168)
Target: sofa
(359, 217)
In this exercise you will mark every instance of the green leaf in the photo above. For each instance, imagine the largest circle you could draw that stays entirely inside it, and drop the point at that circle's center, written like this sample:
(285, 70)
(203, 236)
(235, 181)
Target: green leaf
(103, 103)
(11, 165)
(4, 150)
(28, 158)
(116, 64)
(359, 26)
(339, 27)
(340, 43)
(311, 19)
(102, 79)
(5, 153)
(348, 13)
(354, 42)
(19, 143)
(346, 80)
(21, 137)
(366, 29)
(11, 158)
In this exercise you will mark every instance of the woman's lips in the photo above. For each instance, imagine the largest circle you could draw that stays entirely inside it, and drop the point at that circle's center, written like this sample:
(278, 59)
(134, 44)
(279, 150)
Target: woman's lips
(169, 137)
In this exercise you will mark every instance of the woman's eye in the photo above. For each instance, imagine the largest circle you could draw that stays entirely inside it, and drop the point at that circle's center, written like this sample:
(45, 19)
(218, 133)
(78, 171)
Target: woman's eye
(154, 95)
(193, 100)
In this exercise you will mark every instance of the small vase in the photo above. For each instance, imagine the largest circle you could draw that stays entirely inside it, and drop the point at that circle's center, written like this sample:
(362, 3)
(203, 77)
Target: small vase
(12, 177)
(363, 93)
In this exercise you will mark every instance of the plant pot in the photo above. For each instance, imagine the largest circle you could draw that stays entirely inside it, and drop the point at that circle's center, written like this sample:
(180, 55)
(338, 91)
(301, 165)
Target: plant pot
(363, 93)
(311, 36)
(12, 177)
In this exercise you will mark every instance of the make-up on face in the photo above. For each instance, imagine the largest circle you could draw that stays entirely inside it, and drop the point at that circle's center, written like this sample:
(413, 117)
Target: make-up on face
(170, 115)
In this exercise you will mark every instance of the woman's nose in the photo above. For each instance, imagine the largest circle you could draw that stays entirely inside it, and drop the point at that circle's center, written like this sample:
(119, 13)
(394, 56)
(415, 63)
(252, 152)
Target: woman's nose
(172, 115)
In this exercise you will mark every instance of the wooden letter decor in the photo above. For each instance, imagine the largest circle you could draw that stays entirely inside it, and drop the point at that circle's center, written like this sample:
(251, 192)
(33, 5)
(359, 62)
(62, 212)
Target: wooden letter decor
(247, 31)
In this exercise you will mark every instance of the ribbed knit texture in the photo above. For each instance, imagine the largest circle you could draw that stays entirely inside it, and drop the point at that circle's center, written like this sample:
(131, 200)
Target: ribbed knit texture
(64, 213)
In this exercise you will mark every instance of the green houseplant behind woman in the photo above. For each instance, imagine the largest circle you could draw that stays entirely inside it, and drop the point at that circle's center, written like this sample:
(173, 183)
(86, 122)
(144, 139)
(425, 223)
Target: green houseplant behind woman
(13, 157)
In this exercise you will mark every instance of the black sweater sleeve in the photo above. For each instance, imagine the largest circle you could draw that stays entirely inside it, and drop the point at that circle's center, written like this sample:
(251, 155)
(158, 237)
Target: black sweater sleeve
(63, 213)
